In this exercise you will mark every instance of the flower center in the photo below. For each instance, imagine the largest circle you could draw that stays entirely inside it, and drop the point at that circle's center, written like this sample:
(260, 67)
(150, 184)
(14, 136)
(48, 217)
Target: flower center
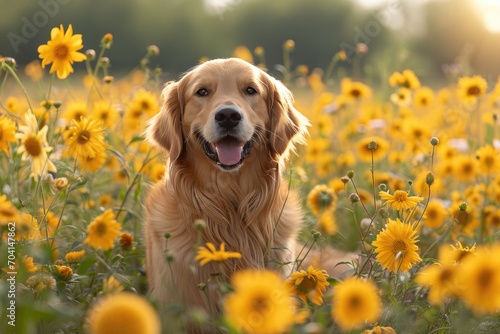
(308, 284)
(9, 213)
(100, 229)
(1, 134)
(261, 304)
(355, 92)
(83, 137)
(61, 52)
(398, 246)
(33, 146)
(485, 278)
(355, 302)
(445, 275)
(145, 105)
(473, 90)
(400, 196)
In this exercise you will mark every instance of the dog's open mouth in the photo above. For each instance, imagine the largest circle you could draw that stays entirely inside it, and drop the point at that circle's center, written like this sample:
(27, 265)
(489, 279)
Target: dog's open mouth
(228, 152)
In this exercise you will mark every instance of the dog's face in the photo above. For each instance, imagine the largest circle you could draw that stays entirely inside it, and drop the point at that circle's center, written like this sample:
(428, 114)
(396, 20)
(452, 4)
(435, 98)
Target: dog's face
(227, 110)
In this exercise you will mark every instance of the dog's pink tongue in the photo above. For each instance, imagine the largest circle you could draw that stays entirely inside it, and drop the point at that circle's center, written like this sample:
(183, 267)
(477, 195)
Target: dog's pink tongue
(229, 151)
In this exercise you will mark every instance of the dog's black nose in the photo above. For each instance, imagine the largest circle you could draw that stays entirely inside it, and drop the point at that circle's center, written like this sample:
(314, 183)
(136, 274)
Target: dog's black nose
(228, 118)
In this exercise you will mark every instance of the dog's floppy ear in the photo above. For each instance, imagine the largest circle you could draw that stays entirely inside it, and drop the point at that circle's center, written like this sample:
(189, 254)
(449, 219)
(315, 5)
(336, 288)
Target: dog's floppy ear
(165, 128)
(288, 125)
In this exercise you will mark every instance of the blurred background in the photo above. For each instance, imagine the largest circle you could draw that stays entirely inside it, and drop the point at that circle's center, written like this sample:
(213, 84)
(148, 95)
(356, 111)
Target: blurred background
(435, 38)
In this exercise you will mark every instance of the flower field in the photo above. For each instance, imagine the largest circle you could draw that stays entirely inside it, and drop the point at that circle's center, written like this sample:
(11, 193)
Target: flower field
(406, 177)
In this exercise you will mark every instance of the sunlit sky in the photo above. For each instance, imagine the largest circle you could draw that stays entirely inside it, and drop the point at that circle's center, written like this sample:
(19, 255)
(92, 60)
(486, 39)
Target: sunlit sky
(488, 9)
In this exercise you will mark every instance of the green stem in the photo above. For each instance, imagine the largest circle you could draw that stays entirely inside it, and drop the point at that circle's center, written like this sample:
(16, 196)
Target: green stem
(10, 70)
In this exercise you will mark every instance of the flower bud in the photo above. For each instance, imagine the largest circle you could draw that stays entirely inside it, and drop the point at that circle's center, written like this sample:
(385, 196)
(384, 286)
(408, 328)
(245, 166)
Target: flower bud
(57, 104)
(108, 79)
(462, 206)
(104, 61)
(126, 240)
(107, 40)
(153, 50)
(61, 183)
(354, 198)
(90, 53)
(429, 179)
(434, 141)
(382, 187)
(350, 174)
(345, 179)
(11, 62)
(200, 224)
(372, 145)
(289, 45)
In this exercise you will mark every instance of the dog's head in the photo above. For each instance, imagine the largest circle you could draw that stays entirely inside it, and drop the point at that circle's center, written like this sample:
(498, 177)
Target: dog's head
(227, 111)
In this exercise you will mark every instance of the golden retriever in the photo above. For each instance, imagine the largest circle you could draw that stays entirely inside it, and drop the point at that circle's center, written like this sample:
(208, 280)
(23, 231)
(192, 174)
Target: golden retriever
(228, 128)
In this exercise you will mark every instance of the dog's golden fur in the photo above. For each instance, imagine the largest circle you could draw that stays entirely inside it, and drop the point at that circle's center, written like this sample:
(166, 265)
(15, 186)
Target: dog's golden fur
(248, 206)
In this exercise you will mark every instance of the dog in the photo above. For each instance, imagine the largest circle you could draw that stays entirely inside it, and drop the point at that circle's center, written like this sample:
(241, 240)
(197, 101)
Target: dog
(228, 128)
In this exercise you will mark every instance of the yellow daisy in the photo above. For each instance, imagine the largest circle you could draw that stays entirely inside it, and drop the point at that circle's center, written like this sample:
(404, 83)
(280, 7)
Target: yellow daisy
(8, 212)
(210, 253)
(260, 303)
(62, 51)
(29, 265)
(441, 278)
(34, 70)
(406, 79)
(75, 110)
(327, 222)
(400, 200)
(396, 246)
(465, 167)
(368, 146)
(106, 113)
(308, 284)
(111, 285)
(379, 330)
(7, 134)
(64, 273)
(75, 256)
(423, 97)
(354, 91)
(401, 98)
(124, 313)
(34, 146)
(321, 198)
(102, 232)
(480, 274)
(355, 303)
(435, 214)
(157, 171)
(315, 148)
(85, 139)
(471, 88)
(41, 282)
(488, 158)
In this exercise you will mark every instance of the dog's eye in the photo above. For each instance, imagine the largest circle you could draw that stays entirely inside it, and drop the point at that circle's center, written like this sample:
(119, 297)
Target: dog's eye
(250, 91)
(202, 92)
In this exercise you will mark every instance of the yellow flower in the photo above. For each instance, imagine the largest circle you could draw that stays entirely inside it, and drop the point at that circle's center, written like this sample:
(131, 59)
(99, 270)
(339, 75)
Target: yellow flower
(34, 70)
(465, 168)
(61, 183)
(244, 53)
(354, 91)
(400, 200)
(101, 233)
(493, 218)
(471, 88)
(355, 303)
(379, 330)
(34, 146)
(157, 172)
(459, 253)
(63, 272)
(210, 253)
(321, 198)
(126, 240)
(308, 284)
(489, 159)
(315, 148)
(480, 275)
(85, 139)
(29, 264)
(441, 278)
(396, 246)
(27, 227)
(8, 212)
(260, 303)
(62, 51)
(423, 97)
(401, 98)
(74, 111)
(106, 113)
(327, 222)
(406, 79)
(124, 313)
(324, 124)
(435, 214)
(111, 285)
(95, 163)
(7, 134)
(366, 150)
(75, 256)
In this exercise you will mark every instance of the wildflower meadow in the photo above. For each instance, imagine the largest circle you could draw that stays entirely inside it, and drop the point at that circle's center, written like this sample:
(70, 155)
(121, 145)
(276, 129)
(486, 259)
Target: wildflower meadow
(404, 175)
